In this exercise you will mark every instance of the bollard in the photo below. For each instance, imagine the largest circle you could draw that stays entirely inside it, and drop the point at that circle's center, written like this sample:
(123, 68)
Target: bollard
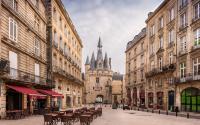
(138, 109)
(152, 110)
(188, 115)
(147, 110)
(159, 112)
(166, 112)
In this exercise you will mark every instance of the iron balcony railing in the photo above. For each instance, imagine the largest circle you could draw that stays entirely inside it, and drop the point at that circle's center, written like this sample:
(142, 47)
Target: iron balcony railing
(190, 77)
(64, 73)
(157, 71)
(16, 74)
(4, 66)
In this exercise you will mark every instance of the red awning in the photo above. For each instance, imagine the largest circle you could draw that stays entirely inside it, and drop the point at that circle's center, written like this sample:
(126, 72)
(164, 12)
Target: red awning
(25, 90)
(50, 92)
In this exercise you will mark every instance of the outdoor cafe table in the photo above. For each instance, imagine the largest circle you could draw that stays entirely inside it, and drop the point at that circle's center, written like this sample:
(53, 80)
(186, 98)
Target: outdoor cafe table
(85, 119)
(15, 114)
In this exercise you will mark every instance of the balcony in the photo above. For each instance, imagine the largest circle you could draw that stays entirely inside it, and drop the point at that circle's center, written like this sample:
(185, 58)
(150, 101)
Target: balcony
(183, 26)
(182, 52)
(165, 69)
(63, 73)
(25, 77)
(195, 19)
(188, 78)
(196, 45)
(4, 66)
(170, 44)
(160, 50)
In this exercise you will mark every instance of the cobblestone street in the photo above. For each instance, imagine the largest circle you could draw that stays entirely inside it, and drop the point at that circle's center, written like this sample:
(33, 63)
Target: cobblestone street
(117, 117)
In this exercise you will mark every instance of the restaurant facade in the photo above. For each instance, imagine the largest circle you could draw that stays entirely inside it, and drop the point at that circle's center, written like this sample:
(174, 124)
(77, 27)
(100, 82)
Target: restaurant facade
(26, 84)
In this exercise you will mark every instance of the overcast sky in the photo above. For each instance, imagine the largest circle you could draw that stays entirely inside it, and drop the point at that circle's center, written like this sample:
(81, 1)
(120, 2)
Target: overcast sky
(115, 21)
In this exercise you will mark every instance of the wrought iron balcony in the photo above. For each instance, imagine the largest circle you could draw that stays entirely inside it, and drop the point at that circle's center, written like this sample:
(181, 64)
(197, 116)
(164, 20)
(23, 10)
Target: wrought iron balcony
(183, 26)
(65, 74)
(165, 69)
(196, 46)
(182, 52)
(25, 77)
(4, 66)
(171, 44)
(188, 78)
(195, 19)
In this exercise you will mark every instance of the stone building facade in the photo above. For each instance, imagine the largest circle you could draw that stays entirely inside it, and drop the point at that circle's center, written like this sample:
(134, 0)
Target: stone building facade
(64, 55)
(22, 51)
(40, 57)
(117, 88)
(172, 61)
(99, 79)
(135, 69)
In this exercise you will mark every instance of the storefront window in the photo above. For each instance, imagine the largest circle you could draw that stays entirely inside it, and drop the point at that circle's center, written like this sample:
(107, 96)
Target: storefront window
(190, 100)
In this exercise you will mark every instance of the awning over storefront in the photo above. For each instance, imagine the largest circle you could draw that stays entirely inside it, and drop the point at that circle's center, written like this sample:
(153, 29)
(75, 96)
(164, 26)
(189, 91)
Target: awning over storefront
(50, 93)
(27, 91)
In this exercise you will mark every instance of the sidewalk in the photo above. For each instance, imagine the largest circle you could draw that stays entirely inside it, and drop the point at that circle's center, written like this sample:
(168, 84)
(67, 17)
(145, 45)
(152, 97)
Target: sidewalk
(178, 114)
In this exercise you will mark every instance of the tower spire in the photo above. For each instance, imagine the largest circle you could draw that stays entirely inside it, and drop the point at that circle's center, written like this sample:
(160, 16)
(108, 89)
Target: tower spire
(106, 65)
(99, 62)
(99, 43)
(87, 61)
(92, 62)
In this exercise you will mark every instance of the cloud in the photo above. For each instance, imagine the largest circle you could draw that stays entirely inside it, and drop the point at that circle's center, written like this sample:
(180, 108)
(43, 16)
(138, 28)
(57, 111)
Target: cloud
(116, 21)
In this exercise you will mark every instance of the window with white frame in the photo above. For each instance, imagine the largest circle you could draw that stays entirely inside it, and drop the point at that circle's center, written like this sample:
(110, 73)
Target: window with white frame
(183, 21)
(197, 10)
(196, 67)
(37, 46)
(160, 63)
(171, 14)
(13, 64)
(13, 30)
(13, 4)
(37, 23)
(183, 3)
(170, 57)
(197, 37)
(171, 36)
(37, 73)
(183, 44)
(151, 48)
(182, 70)
(161, 22)
(152, 30)
(161, 41)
